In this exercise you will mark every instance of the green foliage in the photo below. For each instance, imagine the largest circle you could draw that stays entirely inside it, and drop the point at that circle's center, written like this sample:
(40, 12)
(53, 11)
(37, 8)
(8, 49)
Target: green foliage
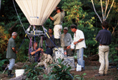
(59, 71)
(79, 12)
(79, 77)
(33, 72)
(2, 63)
(113, 54)
(3, 41)
(91, 43)
(22, 54)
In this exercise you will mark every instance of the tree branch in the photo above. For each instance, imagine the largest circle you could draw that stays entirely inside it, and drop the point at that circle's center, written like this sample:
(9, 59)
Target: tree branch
(95, 11)
(107, 3)
(13, 26)
(102, 10)
(110, 9)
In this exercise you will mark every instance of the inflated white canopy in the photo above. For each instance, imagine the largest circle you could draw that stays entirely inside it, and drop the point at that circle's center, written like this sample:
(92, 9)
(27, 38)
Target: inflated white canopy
(37, 11)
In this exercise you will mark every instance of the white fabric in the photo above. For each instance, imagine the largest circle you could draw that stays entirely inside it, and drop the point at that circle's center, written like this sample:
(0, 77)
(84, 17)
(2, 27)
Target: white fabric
(37, 11)
(77, 36)
(57, 31)
(103, 59)
(66, 39)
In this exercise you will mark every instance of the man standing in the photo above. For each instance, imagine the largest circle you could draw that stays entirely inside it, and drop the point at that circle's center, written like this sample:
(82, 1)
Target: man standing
(58, 20)
(11, 53)
(79, 42)
(49, 44)
(66, 40)
(104, 39)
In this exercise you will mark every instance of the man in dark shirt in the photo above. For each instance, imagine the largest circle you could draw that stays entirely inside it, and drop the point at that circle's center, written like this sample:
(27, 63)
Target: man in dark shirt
(49, 44)
(35, 52)
(104, 39)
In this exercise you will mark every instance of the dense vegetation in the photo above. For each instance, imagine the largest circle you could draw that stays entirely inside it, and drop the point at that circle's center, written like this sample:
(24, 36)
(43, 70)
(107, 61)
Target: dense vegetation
(79, 12)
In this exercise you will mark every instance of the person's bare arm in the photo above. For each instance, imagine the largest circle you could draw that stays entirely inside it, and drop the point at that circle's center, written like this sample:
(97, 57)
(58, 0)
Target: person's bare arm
(68, 47)
(14, 50)
(51, 18)
(78, 41)
(39, 49)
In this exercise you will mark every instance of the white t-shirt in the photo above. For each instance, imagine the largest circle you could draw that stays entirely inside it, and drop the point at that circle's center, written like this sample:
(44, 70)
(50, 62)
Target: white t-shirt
(77, 36)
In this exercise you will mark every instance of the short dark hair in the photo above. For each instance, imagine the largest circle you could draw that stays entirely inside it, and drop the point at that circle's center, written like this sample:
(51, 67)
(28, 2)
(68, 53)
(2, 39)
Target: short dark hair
(105, 24)
(50, 28)
(59, 9)
(73, 26)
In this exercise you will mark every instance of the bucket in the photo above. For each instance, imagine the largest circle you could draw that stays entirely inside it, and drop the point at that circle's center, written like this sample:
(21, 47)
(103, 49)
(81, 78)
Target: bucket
(19, 72)
(78, 68)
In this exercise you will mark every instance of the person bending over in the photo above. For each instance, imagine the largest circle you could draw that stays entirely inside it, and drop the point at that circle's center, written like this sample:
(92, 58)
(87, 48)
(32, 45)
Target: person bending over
(35, 52)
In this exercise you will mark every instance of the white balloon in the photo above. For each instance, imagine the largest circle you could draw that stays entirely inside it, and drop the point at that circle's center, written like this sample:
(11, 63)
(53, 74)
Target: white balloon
(37, 11)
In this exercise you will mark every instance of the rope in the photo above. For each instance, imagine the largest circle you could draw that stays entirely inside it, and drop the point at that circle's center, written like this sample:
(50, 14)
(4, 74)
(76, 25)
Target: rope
(47, 35)
(41, 41)
(22, 42)
(34, 33)
(18, 15)
(30, 44)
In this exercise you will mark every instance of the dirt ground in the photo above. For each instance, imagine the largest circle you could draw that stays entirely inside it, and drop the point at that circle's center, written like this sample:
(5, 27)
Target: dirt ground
(91, 68)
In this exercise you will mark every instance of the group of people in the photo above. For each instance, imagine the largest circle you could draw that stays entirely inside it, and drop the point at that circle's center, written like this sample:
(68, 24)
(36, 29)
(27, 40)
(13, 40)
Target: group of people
(65, 41)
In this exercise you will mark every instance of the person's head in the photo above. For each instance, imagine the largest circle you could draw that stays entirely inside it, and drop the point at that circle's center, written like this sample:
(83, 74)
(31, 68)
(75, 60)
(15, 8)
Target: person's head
(65, 30)
(58, 10)
(73, 28)
(35, 45)
(50, 31)
(104, 25)
(14, 35)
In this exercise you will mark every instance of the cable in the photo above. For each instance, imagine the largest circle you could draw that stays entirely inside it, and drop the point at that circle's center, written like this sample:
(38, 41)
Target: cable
(18, 15)
(22, 42)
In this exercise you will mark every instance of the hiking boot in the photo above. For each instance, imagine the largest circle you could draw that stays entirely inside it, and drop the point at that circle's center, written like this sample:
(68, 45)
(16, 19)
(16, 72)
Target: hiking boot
(105, 74)
(83, 69)
(98, 75)
(9, 74)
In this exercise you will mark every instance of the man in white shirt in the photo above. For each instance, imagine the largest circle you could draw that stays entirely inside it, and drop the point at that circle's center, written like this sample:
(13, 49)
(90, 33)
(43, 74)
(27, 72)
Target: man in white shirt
(79, 43)
(66, 40)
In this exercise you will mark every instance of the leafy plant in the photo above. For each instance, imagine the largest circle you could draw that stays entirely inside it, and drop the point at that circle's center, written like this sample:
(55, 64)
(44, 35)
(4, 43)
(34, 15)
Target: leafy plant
(33, 72)
(113, 56)
(79, 77)
(2, 62)
(59, 71)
